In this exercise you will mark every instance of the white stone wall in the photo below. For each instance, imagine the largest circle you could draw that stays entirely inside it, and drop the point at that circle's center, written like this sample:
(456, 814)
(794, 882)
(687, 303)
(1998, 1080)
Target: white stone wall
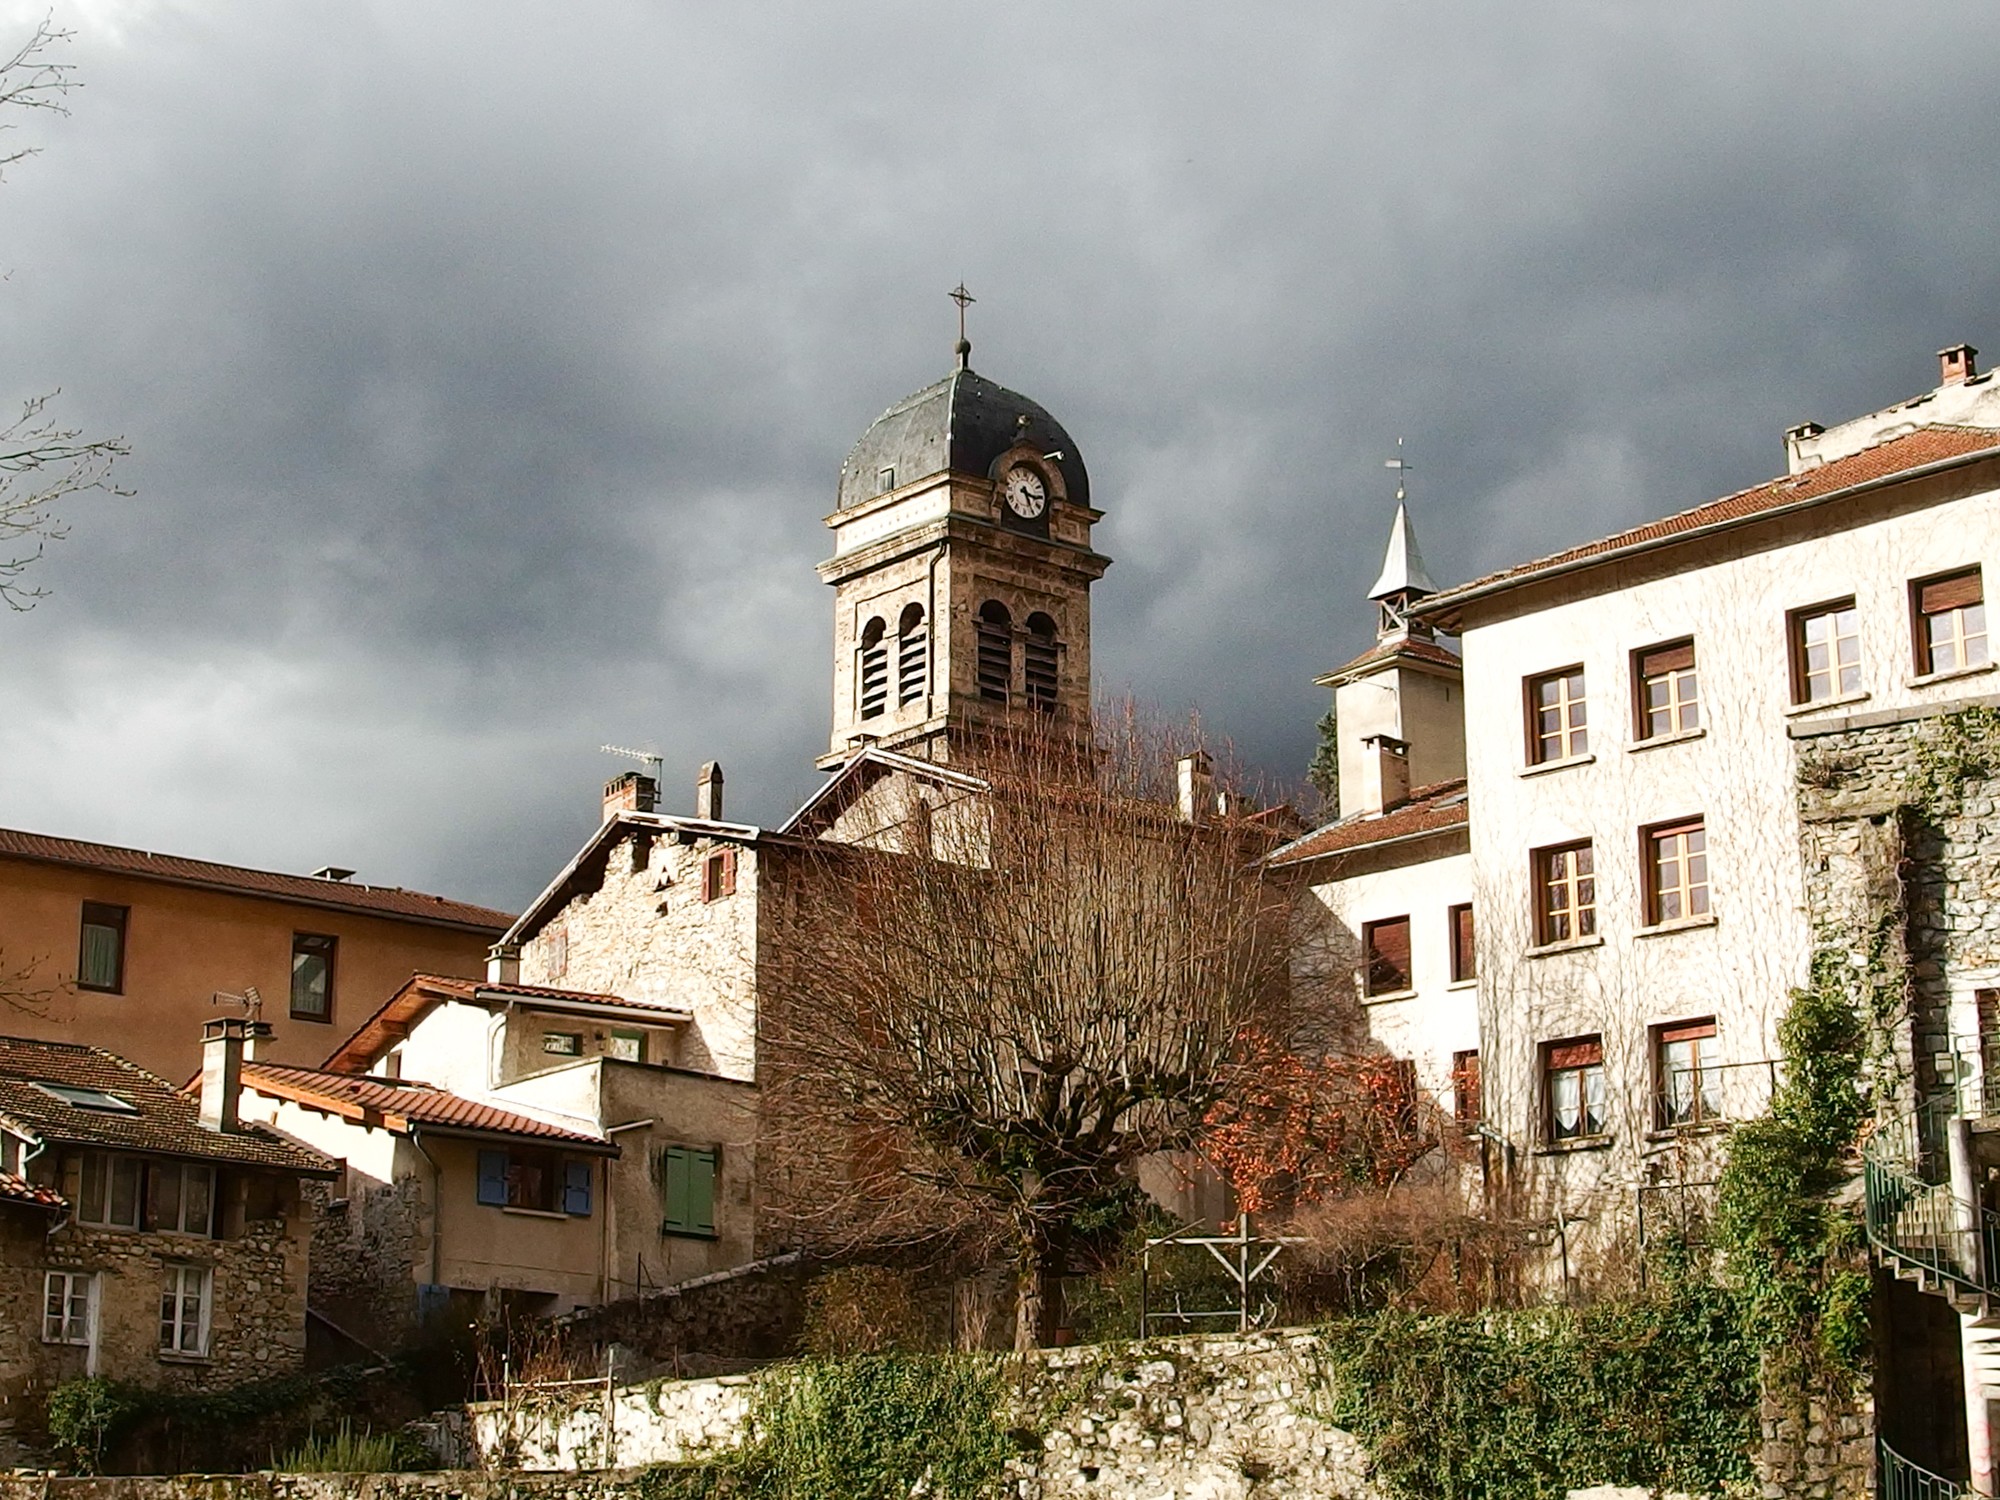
(1732, 596)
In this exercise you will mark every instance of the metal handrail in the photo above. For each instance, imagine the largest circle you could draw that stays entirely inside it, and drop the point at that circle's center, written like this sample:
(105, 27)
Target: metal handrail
(1714, 1093)
(1899, 1479)
(1921, 1222)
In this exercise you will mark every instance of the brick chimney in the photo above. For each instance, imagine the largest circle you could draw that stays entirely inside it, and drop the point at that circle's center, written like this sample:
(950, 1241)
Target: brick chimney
(1195, 775)
(630, 791)
(1385, 774)
(1957, 364)
(708, 793)
(223, 1042)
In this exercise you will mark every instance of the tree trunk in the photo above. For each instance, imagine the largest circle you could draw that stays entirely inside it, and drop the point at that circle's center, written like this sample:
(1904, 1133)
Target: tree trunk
(1038, 1301)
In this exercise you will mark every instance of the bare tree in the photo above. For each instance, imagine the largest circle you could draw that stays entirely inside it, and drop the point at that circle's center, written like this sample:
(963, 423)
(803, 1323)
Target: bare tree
(1050, 981)
(42, 461)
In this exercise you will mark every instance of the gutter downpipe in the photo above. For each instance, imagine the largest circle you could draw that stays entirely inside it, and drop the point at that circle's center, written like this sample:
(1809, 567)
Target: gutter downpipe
(604, 1266)
(437, 1201)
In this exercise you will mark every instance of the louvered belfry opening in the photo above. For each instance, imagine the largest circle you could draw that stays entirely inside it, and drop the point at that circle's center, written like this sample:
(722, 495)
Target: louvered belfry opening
(874, 669)
(913, 657)
(995, 629)
(1039, 663)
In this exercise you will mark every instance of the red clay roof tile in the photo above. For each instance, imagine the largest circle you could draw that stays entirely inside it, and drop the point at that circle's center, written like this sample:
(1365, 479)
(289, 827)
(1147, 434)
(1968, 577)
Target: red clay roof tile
(397, 1104)
(1429, 810)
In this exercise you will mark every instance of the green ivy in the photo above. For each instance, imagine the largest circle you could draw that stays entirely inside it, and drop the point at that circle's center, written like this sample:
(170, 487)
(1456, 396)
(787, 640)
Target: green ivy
(1658, 1392)
(1788, 1249)
(1959, 748)
(877, 1428)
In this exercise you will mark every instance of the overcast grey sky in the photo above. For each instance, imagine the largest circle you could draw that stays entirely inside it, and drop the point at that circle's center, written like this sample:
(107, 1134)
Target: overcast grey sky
(488, 367)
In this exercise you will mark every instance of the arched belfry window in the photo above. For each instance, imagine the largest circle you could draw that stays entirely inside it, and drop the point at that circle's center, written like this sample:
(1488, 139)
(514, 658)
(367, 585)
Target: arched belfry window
(1038, 668)
(913, 656)
(995, 644)
(874, 668)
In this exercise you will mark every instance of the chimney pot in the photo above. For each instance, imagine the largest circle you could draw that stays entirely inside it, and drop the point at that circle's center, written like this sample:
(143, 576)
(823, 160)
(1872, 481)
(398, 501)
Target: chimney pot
(1385, 774)
(1957, 364)
(630, 791)
(224, 1042)
(708, 793)
(1195, 775)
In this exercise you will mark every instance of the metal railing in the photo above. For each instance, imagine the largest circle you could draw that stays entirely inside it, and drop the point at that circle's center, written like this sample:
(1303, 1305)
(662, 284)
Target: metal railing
(1915, 1218)
(1690, 1098)
(1899, 1479)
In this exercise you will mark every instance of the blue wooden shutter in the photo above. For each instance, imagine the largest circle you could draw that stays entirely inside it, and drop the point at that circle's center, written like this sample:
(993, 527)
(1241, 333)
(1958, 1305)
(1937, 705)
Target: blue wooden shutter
(493, 1177)
(576, 1188)
(701, 1192)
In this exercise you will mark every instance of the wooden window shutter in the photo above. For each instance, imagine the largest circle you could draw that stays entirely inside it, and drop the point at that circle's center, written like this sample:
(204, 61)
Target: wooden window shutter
(1388, 945)
(701, 1192)
(1956, 592)
(576, 1188)
(1584, 1052)
(493, 1177)
(1678, 658)
(1688, 1031)
(674, 1187)
(1463, 965)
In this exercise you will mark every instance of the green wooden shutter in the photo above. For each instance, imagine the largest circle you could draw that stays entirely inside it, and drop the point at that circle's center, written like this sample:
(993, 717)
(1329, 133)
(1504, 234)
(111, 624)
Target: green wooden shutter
(701, 1192)
(674, 1188)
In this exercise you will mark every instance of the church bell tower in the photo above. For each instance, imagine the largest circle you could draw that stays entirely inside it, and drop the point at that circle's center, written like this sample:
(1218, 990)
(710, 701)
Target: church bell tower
(961, 572)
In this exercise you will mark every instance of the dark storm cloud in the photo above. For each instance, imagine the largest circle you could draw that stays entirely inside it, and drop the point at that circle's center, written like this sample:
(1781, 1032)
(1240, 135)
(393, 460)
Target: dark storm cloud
(488, 367)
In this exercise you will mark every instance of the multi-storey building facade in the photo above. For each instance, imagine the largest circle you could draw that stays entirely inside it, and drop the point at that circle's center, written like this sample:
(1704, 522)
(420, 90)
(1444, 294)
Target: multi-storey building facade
(1692, 761)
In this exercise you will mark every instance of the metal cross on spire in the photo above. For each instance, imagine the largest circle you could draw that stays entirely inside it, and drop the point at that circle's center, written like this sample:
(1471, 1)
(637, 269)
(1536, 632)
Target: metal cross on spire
(1401, 467)
(964, 299)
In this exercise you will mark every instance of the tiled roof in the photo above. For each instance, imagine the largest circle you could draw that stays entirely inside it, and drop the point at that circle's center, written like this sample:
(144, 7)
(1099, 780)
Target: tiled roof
(1927, 445)
(163, 1119)
(311, 890)
(25, 1193)
(397, 1104)
(1430, 808)
(1406, 648)
(403, 1009)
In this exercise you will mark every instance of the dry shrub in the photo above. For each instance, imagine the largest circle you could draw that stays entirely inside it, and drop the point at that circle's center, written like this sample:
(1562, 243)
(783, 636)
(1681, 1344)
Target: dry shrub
(864, 1310)
(1418, 1247)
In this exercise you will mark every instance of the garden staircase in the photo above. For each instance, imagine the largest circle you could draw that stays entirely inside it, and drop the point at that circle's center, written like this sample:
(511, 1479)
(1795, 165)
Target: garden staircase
(1937, 1236)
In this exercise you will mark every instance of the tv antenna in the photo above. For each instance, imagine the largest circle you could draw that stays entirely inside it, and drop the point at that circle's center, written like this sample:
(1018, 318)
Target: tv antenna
(249, 1002)
(650, 759)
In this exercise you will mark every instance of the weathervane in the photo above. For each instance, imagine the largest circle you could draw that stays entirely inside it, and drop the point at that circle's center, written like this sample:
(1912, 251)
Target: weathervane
(964, 299)
(1397, 463)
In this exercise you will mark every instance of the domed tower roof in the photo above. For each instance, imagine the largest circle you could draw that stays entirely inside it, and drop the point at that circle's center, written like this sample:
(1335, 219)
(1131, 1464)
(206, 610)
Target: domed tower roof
(962, 424)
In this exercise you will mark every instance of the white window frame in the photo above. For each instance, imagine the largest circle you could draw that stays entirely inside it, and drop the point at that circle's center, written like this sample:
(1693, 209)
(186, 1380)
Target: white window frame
(174, 1322)
(97, 1215)
(71, 1287)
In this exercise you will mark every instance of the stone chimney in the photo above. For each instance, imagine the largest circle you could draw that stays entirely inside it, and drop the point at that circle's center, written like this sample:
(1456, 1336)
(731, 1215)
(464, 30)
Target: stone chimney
(1196, 777)
(1957, 364)
(223, 1043)
(708, 793)
(1385, 774)
(630, 791)
(503, 963)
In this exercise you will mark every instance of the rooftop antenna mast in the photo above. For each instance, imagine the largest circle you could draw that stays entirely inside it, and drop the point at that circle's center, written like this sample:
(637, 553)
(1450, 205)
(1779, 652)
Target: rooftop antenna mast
(650, 759)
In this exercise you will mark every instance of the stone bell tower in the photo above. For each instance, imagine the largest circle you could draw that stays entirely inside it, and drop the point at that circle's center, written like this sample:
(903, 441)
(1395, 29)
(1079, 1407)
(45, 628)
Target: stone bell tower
(961, 571)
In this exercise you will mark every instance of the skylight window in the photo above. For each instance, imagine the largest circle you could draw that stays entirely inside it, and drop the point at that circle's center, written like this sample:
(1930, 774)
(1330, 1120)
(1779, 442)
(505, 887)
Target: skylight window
(83, 1098)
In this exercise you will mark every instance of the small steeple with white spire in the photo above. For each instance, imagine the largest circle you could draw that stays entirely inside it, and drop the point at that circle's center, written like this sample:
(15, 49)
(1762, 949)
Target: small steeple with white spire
(1403, 579)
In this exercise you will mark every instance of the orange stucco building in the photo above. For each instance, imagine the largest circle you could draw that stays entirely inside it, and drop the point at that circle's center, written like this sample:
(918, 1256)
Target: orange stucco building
(128, 950)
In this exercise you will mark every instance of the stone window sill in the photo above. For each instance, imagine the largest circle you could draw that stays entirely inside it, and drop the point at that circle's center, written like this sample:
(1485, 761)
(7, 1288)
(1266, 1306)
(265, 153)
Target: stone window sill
(1543, 768)
(1682, 1132)
(1668, 929)
(1841, 700)
(1567, 945)
(1581, 1143)
(181, 1357)
(1932, 679)
(1655, 742)
(691, 1234)
(532, 1213)
(1464, 984)
(1388, 995)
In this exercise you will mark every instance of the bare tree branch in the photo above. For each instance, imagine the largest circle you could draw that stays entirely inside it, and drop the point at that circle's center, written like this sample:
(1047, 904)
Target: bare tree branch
(30, 79)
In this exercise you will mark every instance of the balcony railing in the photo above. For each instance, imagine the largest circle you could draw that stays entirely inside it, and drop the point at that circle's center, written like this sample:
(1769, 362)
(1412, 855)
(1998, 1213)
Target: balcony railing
(1899, 1479)
(1911, 1212)
(1691, 1098)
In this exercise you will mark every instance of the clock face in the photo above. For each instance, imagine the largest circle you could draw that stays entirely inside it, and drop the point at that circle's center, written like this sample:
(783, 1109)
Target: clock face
(1026, 495)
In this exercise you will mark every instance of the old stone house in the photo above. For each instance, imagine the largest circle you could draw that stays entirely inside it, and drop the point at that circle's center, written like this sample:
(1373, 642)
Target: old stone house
(147, 1234)
(1690, 759)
